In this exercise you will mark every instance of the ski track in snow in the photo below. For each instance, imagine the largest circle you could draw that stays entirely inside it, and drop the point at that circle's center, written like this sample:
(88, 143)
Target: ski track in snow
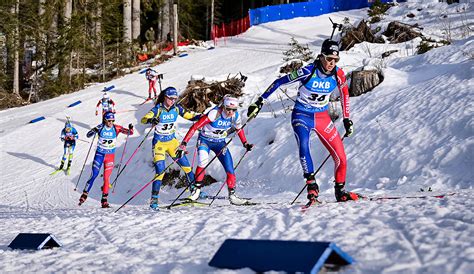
(413, 131)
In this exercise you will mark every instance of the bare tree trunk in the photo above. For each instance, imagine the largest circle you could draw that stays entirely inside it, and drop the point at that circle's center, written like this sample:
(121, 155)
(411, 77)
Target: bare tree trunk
(175, 28)
(165, 20)
(212, 19)
(136, 19)
(68, 10)
(67, 20)
(16, 58)
(127, 20)
(207, 20)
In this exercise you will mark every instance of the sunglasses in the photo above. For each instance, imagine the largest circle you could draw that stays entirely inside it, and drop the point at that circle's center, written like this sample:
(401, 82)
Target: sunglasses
(330, 59)
(171, 98)
(231, 109)
(110, 120)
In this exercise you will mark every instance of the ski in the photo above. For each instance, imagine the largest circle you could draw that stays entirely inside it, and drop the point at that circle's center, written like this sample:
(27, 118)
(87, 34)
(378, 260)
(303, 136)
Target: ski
(246, 203)
(186, 202)
(309, 204)
(424, 196)
(146, 100)
(210, 197)
(55, 172)
(68, 171)
(380, 198)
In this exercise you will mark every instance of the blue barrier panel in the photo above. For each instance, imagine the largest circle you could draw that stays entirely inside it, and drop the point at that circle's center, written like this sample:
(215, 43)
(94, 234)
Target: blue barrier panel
(301, 9)
(37, 119)
(74, 104)
(34, 241)
(286, 11)
(108, 88)
(304, 9)
(183, 55)
(273, 13)
(270, 255)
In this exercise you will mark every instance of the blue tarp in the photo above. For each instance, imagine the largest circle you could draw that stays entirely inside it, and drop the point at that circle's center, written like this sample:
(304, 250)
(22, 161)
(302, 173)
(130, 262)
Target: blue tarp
(305, 9)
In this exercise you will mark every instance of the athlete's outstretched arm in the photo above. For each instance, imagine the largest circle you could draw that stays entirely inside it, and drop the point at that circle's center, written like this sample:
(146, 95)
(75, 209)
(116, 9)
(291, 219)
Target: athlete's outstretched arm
(295, 76)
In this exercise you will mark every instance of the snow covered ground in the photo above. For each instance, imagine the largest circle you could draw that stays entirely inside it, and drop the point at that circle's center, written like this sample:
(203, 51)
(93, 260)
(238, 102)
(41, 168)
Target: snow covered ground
(415, 130)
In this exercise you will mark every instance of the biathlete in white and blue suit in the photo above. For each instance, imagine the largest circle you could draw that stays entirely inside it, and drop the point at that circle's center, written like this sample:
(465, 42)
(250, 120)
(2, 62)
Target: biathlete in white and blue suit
(214, 127)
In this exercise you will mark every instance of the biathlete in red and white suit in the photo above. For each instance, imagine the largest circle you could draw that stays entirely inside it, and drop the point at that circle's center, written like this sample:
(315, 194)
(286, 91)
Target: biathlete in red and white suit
(105, 154)
(151, 77)
(214, 127)
(310, 113)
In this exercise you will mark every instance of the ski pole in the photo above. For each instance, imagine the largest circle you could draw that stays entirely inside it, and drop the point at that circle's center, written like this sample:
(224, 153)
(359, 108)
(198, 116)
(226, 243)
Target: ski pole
(83, 141)
(319, 168)
(87, 156)
(222, 186)
(121, 158)
(208, 164)
(131, 157)
(147, 184)
(194, 155)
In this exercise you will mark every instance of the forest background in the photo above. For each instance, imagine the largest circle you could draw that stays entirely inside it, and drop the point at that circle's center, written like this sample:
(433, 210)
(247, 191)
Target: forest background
(54, 47)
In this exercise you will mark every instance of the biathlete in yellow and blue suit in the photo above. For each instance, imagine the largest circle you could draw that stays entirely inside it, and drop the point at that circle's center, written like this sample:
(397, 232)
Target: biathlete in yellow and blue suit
(164, 116)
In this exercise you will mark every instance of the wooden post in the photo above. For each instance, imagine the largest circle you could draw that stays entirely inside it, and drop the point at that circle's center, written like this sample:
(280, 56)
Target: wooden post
(175, 28)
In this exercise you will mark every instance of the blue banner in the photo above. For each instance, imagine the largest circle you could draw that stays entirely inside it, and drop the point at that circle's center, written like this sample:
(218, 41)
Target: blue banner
(306, 9)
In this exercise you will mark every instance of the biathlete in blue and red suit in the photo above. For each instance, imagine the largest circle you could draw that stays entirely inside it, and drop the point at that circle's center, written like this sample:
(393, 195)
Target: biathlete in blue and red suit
(104, 154)
(310, 113)
(214, 127)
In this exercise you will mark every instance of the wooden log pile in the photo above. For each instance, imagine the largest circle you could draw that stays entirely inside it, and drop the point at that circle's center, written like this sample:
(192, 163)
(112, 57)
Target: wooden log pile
(199, 94)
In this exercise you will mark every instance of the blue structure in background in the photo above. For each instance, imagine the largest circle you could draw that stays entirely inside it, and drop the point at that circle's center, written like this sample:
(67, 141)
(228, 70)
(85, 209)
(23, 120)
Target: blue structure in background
(37, 119)
(34, 241)
(274, 255)
(305, 9)
(74, 104)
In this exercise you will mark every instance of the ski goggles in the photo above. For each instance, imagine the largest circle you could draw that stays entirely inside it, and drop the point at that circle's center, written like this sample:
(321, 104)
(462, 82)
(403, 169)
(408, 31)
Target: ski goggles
(330, 59)
(230, 109)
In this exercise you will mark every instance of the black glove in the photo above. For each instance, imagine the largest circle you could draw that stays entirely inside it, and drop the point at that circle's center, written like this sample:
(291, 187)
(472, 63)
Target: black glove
(195, 118)
(92, 132)
(130, 126)
(181, 150)
(248, 146)
(153, 120)
(255, 108)
(348, 125)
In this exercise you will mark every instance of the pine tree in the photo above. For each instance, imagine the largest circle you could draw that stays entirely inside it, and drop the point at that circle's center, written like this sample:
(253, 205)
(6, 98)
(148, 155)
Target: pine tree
(297, 51)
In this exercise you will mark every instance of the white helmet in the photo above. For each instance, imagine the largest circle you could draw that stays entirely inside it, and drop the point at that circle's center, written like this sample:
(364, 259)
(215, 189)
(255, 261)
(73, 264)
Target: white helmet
(106, 96)
(231, 102)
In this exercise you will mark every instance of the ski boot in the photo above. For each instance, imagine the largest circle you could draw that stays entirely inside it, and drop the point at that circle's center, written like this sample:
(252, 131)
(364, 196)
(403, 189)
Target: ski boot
(68, 169)
(83, 197)
(342, 195)
(61, 165)
(103, 201)
(312, 188)
(154, 201)
(195, 191)
(234, 199)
